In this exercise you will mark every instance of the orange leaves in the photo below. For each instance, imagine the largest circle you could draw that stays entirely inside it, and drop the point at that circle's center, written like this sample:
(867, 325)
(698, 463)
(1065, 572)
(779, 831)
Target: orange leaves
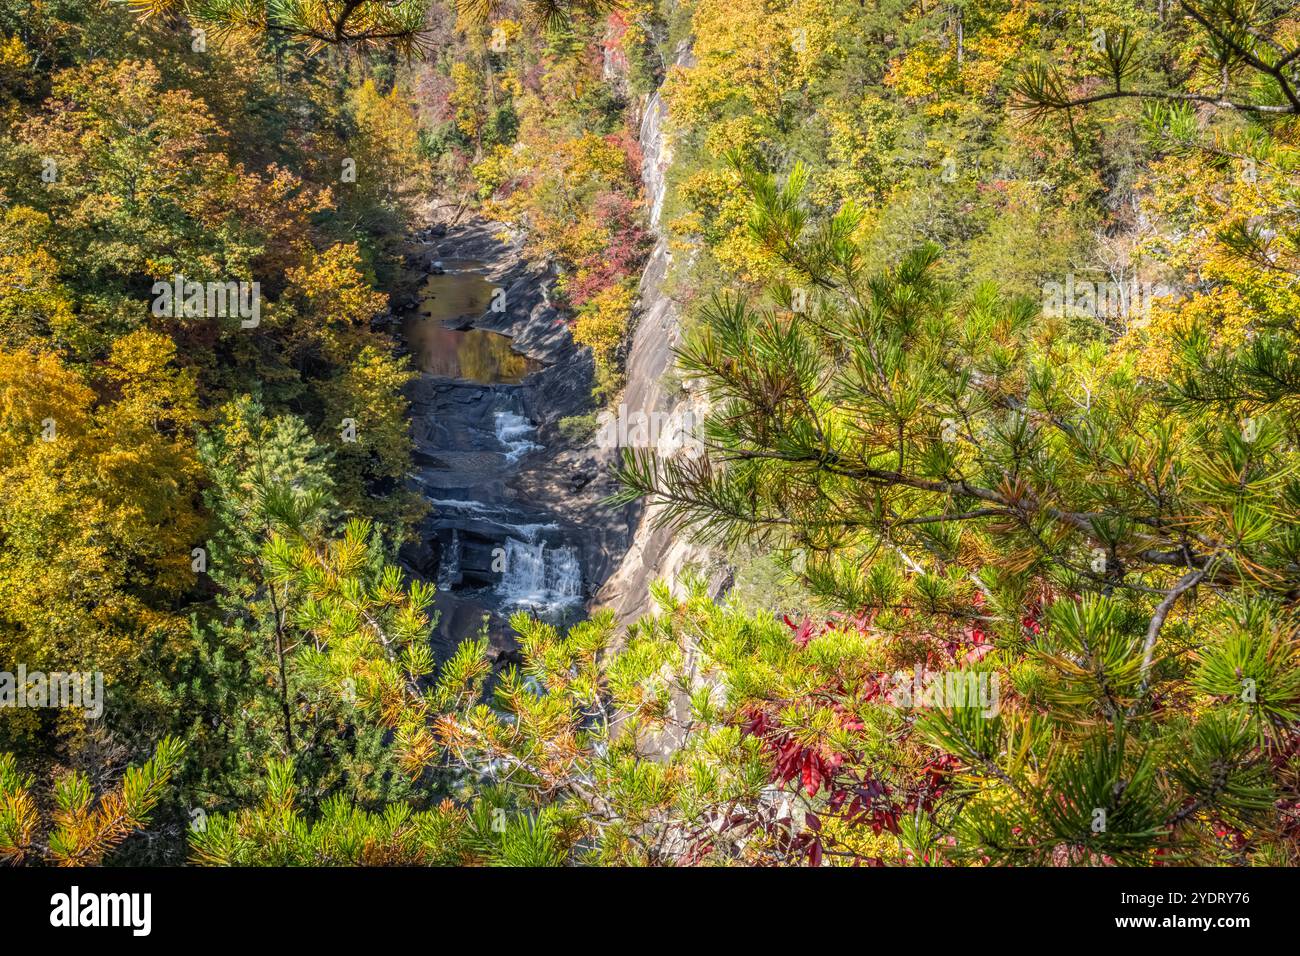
(83, 829)
(18, 814)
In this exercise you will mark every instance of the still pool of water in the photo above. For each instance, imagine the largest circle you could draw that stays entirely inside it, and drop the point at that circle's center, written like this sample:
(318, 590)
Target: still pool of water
(474, 355)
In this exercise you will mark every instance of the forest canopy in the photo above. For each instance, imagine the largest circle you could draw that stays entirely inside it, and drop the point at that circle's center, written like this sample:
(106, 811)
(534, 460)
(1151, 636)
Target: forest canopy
(987, 313)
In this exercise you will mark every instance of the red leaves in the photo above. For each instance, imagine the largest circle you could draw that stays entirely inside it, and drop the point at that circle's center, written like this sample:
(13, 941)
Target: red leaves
(806, 630)
(938, 772)
(1031, 622)
(803, 631)
(872, 805)
(757, 722)
(811, 766)
(939, 769)
(697, 852)
(623, 251)
(815, 853)
(839, 785)
(804, 763)
(615, 31)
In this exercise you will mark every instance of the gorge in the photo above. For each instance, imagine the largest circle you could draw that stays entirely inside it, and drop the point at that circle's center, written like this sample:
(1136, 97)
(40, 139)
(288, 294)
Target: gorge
(518, 519)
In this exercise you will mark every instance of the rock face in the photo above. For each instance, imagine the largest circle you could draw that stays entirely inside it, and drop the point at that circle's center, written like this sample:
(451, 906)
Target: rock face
(656, 552)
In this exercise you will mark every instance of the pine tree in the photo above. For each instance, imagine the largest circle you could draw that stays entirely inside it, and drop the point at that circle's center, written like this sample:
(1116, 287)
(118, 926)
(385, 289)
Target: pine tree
(401, 26)
(930, 456)
(317, 646)
(276, 832)
(83, 828)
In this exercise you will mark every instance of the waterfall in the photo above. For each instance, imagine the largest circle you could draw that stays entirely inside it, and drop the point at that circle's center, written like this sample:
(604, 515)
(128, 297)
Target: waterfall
(515, 432)
(449, 566)
(538, 576)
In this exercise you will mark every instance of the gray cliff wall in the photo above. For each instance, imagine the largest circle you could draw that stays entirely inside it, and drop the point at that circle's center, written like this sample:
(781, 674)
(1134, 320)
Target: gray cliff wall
(655, 552)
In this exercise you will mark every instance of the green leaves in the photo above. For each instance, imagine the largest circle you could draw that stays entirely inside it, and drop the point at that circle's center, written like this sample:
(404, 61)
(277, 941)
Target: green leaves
(1223, 771)
(1104, 800)
(1117, 55)
(1095, 656)
(512, 838)
(821, 253)
(967, 733)
(1039, 91)
(947, 464)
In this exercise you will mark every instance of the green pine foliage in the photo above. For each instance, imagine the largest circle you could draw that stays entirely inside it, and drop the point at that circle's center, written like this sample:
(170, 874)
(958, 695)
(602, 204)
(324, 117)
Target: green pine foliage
(82, 827)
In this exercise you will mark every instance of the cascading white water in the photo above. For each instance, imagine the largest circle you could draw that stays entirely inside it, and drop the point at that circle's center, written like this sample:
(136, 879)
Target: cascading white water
(515, 432)
(564, 574)
(540, 577)
(449, 566)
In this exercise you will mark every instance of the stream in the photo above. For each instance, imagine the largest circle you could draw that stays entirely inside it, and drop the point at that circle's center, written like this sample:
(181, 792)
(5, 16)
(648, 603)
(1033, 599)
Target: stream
(518, 519)
(509, 529)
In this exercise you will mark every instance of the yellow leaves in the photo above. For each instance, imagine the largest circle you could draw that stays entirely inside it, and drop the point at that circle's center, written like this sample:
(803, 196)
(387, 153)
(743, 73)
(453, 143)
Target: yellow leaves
(333, 302)
(506, 31)
(104, 512)
(988, 55)
(466, 98)
(731, 134)
(16, 75)
(154, 394)
(35, 390)
(386, 148)
(748, 54)
(590, 155)
(860, 135)
(495, 169)
(33, 302)
(721, 214)
(602, 322)
(385, 116)
(920, 73)
(957, 69)
(367, 390)
(144, 185)
(14, 56)
(1153, 343)
(563, 180)
(1206, 192)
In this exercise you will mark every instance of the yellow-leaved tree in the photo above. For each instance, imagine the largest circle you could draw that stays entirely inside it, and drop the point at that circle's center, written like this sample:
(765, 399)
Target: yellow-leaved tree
(102, 515)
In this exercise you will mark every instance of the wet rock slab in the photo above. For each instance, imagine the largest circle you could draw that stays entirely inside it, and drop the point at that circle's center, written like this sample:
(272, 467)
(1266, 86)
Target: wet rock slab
(515, 513)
